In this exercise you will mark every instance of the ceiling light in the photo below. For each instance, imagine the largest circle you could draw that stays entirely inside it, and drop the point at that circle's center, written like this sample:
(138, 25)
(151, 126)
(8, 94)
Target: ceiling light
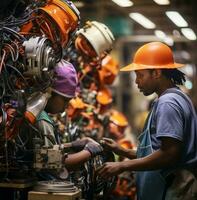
(160, 34)
(176, 18)
(188, 70)
(79, 4)
(185, 55)
(169, 41)
(142, 20)
(162, 2)
(123, 3)
(188, 33)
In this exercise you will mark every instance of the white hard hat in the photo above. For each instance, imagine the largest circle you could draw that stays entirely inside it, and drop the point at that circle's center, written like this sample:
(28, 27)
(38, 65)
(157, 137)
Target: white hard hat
(98, 35)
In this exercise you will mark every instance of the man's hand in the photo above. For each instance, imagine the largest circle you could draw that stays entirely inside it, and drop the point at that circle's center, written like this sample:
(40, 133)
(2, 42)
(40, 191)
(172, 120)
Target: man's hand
(111, 145)
(110, 169)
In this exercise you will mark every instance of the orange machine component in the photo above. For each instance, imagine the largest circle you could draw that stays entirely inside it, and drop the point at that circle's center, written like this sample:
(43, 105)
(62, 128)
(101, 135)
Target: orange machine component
(104, 100)
(91, 124)
(104, 96)
(118, 123)
(84, 46)
(9, 122)
(57, 20)
(75, 106)
(108, 71)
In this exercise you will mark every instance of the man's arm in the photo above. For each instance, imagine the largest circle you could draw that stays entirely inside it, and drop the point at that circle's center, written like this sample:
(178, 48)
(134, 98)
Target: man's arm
(167, 156)
(117, 149)
(86, 147)
(73, 161)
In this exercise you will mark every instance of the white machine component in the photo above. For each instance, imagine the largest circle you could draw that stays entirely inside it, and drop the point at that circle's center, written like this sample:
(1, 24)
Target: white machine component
(39, 57)
(35, 104)
(98, 35)
(55, 186)
(49, 158)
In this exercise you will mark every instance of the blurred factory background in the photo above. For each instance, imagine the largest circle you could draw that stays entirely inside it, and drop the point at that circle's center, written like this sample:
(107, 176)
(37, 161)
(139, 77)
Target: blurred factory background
(139, 21)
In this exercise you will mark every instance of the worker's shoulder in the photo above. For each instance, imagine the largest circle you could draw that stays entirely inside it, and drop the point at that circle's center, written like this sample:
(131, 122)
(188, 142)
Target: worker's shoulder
(173, 99)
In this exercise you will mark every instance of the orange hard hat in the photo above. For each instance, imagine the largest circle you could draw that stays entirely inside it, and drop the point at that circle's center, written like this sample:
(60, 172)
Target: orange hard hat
(104, 96)
(108, 71)
(153, 55)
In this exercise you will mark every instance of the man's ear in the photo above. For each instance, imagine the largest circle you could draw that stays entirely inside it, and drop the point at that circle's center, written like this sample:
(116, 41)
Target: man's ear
(157, 73)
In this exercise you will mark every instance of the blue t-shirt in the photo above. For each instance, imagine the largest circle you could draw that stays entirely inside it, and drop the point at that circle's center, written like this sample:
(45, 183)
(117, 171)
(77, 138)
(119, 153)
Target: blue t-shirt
(175, 117)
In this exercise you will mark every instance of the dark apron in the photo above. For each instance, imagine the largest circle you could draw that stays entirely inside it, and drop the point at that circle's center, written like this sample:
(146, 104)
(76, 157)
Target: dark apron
(150, 184)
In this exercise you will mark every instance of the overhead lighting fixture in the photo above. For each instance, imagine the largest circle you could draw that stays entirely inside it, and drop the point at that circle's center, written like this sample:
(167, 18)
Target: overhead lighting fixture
(176, 18)
(142, 20)
(79, 4)
(169, 41)
(162, 2)
(185, 55)
(188, 33)
(160, 34)
(123, 3)
(188, 70)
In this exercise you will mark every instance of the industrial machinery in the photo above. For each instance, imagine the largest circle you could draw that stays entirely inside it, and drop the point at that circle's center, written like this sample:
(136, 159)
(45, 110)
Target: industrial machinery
(33, 36)
(31, 42)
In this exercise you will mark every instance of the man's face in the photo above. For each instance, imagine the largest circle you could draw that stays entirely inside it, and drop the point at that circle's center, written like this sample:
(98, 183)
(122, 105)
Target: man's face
(145, 81)
(57, 104)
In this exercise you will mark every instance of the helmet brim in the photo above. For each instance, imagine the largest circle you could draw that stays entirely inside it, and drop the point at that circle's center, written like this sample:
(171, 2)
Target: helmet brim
(134, 67)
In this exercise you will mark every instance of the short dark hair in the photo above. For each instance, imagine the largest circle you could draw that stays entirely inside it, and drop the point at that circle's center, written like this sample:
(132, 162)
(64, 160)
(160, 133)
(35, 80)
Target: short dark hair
(176, 76)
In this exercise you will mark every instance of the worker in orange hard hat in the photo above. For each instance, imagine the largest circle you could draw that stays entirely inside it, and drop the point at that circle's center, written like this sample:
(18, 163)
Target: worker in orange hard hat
(166, 155)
